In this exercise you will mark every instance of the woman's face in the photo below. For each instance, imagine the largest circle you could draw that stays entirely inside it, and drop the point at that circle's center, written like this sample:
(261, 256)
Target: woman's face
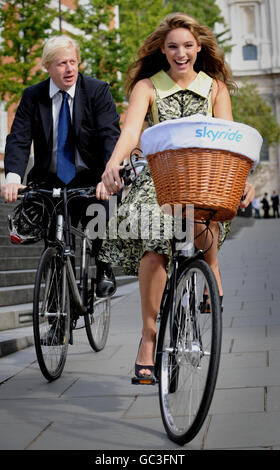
(181, 49)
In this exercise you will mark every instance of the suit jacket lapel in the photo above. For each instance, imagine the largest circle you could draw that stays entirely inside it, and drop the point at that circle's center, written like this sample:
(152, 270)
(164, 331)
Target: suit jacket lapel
(79, 105)
(45, 106)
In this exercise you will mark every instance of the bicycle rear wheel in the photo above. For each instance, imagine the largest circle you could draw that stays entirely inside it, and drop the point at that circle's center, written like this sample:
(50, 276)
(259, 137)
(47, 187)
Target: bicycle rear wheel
(97, 323)
(97, 318)
(51, 314)
(189, 348)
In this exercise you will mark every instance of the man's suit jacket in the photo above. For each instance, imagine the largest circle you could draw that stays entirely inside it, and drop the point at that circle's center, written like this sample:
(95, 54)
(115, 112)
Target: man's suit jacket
(95, 126)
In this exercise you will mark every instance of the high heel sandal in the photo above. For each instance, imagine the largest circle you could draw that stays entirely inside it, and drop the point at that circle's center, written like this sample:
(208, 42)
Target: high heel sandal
(143, 379)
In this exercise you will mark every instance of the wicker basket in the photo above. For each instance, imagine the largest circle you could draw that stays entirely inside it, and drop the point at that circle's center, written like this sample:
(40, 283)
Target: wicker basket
(205, 178)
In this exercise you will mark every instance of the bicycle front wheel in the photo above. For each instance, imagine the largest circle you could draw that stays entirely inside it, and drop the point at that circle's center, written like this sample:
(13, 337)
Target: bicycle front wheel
(189, 350)
(51, 314)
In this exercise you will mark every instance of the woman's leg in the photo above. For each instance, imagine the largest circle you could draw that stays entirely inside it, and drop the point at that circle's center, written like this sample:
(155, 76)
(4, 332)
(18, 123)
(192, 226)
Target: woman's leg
(152, 279)
(212, 254)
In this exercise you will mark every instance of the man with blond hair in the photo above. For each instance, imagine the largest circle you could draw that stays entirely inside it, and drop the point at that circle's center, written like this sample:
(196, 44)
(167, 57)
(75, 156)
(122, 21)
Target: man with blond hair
(92, 132)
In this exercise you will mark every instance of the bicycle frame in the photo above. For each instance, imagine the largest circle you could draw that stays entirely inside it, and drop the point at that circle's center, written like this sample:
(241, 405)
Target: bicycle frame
(68, 230)
(63, 232)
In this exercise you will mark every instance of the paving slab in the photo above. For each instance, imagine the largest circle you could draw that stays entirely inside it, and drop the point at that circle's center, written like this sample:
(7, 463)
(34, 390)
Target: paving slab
(273, 398)
(248, 377)
(244, 431)
(246, 360)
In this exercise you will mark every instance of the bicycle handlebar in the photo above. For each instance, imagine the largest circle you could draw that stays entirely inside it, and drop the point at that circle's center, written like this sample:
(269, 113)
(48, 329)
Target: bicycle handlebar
(128, 175)
(57, 192)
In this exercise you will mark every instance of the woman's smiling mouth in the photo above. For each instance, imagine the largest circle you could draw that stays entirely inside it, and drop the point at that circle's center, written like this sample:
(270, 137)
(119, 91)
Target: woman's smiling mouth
(181, 62)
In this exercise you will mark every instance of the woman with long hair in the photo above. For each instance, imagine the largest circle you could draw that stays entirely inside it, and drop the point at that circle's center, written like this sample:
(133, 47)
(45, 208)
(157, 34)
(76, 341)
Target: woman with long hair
(180, 71)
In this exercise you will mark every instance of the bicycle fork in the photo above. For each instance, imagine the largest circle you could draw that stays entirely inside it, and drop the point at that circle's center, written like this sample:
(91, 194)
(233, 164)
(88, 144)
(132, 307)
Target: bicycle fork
(185, 339)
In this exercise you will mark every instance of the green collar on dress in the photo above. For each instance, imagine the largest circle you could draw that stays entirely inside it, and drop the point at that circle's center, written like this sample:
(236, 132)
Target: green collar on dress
(165, 86)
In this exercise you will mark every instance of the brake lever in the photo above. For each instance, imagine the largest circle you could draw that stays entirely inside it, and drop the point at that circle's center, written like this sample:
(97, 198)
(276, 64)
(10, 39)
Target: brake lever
(129, 172)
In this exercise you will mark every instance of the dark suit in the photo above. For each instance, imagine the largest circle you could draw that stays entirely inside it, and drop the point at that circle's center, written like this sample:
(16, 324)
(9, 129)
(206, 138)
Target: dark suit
(95, 127)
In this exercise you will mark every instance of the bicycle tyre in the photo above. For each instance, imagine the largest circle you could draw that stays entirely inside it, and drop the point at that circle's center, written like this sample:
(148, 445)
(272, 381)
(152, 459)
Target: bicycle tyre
(188, 369)
(97, 318)
(51, 311)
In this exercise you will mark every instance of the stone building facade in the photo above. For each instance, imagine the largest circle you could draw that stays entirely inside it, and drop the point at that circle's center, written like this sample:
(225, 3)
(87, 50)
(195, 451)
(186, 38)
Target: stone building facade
(255, 34)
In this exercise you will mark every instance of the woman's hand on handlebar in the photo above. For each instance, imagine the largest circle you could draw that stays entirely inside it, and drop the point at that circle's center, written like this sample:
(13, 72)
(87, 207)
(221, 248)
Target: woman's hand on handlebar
(248, 195)
(10, 191)
(111, 179)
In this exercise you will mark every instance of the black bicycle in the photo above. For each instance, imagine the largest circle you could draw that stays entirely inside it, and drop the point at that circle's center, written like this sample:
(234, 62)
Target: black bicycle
(190, 334)
(64, 290)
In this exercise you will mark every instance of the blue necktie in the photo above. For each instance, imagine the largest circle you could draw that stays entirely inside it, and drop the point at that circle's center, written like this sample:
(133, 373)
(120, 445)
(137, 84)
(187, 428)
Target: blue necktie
(66, 169)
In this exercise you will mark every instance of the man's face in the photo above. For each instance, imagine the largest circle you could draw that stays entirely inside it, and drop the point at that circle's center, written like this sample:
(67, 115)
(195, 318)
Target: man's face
(64, 69)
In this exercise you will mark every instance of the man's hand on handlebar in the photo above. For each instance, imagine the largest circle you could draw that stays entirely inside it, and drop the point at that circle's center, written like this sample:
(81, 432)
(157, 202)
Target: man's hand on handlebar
(10, 191)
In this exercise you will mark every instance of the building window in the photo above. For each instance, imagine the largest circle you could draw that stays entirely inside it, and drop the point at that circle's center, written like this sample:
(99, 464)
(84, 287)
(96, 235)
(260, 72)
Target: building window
(250, 52)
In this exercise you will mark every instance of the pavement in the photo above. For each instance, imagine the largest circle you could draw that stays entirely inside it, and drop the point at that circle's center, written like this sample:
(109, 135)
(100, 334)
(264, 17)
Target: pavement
(93, 407)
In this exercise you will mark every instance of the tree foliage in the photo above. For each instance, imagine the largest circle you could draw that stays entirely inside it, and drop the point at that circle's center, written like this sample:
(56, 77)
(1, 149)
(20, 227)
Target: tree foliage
(249, 107)
(24, 28)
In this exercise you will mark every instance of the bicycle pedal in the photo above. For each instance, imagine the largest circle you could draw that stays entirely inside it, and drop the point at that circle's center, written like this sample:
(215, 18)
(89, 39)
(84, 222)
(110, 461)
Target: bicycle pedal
(143, 381)
(205, 308)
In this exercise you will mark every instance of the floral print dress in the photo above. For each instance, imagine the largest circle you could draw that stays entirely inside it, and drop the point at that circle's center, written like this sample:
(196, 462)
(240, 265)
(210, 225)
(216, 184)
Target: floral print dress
(132, 231)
